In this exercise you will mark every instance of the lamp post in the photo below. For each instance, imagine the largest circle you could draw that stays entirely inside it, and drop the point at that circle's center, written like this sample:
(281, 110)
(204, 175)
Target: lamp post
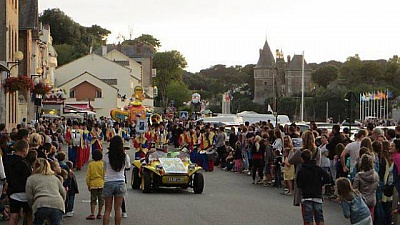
(350, 98)
(39, 73)
(38, 102)
(18, 57)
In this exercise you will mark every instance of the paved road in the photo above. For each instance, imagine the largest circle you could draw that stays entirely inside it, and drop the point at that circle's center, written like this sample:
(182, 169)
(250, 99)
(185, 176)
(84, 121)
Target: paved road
(228, 198)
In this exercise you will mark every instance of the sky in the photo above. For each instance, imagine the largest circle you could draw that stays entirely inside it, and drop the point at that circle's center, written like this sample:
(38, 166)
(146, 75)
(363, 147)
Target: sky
(231, 32)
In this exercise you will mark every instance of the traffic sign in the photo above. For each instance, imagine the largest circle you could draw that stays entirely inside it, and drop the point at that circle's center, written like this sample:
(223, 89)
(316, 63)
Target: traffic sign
(183, 115)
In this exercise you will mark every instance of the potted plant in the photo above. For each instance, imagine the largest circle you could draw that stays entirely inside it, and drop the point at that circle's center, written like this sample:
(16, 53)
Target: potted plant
(41, 88)
(20, 83)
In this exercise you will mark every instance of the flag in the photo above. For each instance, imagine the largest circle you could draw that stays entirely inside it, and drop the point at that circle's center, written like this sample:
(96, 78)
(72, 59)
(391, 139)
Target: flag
(270, 109)
(390, 94)
(367, 96)
(377, 95)
(383, 95)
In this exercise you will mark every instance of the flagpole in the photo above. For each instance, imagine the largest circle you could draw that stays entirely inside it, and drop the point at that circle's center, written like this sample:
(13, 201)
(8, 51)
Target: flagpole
(362, 108)
(373, 105)
(302, 89)
(370, 106)
(360, 113)
(379, 107)
(387, 104)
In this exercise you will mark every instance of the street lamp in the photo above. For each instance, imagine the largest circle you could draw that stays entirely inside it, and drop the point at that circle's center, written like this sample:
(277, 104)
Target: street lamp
(38, 71)
(18, 57)
(350, 98)
(38, 102)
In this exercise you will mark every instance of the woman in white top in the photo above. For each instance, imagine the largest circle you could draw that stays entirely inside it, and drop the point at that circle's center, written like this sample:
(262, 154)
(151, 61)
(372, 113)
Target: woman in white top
(115, 162)
(278, 143)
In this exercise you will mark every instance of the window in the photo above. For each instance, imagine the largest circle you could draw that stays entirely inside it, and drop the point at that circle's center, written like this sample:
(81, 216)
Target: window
(72, 93)
(98, 94)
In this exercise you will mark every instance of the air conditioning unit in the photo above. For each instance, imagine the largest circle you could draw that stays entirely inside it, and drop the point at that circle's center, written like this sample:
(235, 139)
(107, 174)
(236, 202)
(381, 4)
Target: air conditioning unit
(153, 72)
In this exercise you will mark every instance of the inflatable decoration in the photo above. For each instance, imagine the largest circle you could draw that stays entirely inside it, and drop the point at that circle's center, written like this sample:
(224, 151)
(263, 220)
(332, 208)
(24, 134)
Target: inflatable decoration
(133, 111)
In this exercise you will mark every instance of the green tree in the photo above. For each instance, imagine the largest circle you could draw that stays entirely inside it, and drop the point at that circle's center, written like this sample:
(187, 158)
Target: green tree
(66, 31)
(324, 75)
(391, 69)
(66, 53)
(179, 92)
(351, 69)
(371, 72)
(169, 67)
(63, 29)
(145, 39)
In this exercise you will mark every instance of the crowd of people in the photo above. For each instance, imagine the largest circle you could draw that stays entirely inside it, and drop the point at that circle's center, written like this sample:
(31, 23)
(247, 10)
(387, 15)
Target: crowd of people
(365, 169)
(360, 173)
(38, 181)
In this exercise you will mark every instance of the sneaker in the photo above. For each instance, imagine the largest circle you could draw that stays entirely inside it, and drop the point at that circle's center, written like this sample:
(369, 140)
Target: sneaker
(124, 215)
(68, 214)
(249, 173)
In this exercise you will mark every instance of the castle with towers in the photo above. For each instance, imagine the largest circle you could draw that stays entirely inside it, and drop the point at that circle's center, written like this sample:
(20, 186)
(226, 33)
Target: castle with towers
(274, 77)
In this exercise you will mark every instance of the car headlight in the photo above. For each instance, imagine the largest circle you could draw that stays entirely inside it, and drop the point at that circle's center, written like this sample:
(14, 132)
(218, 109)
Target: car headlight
(191, 167)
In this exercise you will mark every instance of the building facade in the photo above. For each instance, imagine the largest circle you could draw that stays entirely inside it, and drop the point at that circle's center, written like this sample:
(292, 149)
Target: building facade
(274, 77)
(140, 53)
(9, 106)
(88, 87)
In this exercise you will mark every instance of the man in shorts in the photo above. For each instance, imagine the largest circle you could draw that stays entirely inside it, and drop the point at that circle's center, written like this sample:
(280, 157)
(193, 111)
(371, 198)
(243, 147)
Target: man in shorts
(17, 172)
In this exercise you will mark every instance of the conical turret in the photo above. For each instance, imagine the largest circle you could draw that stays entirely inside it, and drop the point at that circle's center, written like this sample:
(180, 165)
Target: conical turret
(266, 59)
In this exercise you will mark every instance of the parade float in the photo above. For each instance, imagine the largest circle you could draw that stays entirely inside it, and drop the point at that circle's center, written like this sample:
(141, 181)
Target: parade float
(133, 111)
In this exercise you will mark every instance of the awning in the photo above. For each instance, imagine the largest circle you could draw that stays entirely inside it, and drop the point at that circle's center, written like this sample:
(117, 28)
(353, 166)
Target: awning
(78, 107)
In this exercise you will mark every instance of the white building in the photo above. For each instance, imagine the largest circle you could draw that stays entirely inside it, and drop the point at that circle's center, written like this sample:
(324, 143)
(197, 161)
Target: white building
(88, 87)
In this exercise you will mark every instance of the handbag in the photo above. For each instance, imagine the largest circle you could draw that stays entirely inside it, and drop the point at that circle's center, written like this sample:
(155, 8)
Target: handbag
(388, 188)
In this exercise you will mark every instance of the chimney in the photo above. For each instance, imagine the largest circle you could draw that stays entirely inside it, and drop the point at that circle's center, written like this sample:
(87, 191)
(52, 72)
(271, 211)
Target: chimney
(103, 48)
(288, 59)
(119, 46)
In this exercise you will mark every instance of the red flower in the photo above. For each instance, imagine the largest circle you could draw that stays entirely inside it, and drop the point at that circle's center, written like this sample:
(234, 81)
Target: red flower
(20, 83)
(41, 88)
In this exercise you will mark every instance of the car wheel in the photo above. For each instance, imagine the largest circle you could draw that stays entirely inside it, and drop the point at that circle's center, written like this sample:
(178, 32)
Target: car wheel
(146, 181)
(135, 180)
(198, 183)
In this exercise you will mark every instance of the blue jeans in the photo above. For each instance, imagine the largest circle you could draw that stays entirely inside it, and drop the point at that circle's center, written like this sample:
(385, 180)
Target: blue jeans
(70, 203)
(311, 210)
(114, 188)
(51, 215)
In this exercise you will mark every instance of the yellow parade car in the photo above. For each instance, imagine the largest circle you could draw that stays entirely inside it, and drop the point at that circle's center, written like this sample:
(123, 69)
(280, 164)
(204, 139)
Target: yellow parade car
(161, 169)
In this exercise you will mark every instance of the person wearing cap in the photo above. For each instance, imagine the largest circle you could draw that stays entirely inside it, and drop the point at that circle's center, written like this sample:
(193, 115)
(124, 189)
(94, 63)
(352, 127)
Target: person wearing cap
(140, 145)
(207, 141)
(96, 137)
(75, 143)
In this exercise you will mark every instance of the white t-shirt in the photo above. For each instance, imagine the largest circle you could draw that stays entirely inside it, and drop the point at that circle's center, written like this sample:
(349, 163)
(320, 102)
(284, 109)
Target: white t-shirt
(112, 175)
(353, 149)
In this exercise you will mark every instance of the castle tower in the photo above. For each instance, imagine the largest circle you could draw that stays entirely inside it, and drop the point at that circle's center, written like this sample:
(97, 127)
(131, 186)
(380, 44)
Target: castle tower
(264, 75)
(293, 76)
